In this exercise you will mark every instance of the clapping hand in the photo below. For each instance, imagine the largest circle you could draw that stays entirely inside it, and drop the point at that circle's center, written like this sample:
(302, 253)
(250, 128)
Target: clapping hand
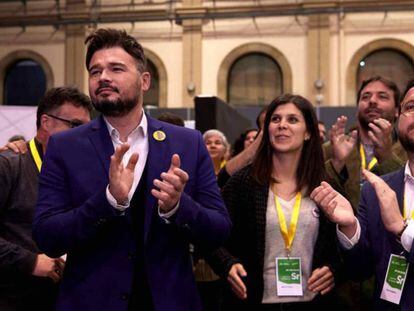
(121, 178)
(336, 208)
(171, 185)
(342, 144)
(381, 137)
(387, 199)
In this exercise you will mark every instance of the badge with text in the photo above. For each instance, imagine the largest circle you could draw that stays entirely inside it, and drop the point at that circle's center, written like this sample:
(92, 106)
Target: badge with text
(289, 276)
(395, 279)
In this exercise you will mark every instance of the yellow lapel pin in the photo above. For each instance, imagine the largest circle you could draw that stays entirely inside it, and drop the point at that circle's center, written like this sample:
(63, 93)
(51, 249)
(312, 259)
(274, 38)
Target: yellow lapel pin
(159, 135)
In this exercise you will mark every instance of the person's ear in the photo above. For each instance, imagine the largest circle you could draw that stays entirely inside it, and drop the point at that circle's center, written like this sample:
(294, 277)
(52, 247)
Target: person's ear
(45, 122)
(145, 81)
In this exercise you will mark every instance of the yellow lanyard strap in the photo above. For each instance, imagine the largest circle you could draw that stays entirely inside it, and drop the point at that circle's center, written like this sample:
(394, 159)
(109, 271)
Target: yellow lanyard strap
(371, 164)
(288, 236)
(35, 154)
(405, 211)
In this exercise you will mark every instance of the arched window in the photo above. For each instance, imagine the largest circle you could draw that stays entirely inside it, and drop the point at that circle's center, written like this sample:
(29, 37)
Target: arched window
(388, 63)
(152, 96)
(24, 83)
(254, 79)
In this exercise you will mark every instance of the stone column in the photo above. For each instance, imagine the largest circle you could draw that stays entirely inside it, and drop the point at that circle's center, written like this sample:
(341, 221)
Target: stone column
(318, 59)
(192, 47)
(75, 50)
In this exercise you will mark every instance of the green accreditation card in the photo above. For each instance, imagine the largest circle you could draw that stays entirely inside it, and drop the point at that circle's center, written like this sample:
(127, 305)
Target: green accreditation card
(289, 276)
(395, 279)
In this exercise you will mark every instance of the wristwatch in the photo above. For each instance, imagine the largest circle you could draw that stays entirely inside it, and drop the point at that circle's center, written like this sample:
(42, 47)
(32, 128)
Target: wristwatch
(399, 234)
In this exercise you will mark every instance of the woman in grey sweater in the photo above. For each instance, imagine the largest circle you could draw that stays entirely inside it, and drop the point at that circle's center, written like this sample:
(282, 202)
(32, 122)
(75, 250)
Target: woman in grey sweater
(282, 251)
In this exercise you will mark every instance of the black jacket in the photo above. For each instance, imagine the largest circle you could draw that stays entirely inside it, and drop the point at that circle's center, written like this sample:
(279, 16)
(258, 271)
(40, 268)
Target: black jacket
(19, 290)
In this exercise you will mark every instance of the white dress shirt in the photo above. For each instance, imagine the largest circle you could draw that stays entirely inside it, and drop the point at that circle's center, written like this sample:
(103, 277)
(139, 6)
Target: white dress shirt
(408, 235)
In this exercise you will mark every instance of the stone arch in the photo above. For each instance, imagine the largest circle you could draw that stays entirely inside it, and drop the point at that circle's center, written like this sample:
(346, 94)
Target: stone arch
(376, 45)
(15, 56)
(249, 48)
(162, 75)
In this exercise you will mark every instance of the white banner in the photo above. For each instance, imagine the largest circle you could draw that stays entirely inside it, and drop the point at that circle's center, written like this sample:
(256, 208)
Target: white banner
(17, 120)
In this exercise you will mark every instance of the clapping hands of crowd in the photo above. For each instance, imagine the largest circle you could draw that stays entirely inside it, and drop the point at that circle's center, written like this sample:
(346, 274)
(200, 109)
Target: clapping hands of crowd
(381, 137)
(342, 144)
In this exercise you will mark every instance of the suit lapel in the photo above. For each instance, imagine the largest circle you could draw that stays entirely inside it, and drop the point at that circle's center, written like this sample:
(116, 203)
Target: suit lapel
(397, 184)
(158, 161)
(100, 139)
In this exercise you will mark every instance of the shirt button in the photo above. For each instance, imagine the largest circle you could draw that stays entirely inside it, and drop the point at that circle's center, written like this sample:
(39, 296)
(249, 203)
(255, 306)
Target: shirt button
(124, 296)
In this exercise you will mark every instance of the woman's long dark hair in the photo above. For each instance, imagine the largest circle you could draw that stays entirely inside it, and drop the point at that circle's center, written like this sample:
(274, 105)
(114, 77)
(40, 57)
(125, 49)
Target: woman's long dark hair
(311, 169)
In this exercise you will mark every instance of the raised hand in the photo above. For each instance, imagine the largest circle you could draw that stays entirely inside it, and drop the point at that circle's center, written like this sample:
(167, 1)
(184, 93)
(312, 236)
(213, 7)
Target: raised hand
(381, 137)
(236, 283)
(321, 280)
(387, 199)
(341, 143)
(336, 208)
(170, 186)
(121, 178)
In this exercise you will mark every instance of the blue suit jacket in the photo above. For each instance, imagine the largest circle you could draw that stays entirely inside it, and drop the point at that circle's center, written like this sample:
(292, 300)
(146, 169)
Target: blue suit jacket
(372, 253)
(73, 216)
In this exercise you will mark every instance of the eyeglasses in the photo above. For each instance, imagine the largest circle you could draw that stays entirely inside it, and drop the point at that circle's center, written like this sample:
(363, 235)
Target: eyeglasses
(71, 123)
(408, 109)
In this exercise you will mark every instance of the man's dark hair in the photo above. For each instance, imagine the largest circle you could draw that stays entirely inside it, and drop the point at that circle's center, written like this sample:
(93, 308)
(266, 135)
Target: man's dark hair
(388, 83)
(56, 97)
(171, 118)
(410, 85)
(108, 38)
(311, 169)
(16, 138)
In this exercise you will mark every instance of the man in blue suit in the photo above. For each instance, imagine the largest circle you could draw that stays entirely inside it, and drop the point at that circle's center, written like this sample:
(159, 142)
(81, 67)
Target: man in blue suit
(381, 237)
(125, 195)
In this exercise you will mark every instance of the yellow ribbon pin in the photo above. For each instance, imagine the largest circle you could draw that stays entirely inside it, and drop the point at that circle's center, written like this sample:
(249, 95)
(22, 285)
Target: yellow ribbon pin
(159, 135)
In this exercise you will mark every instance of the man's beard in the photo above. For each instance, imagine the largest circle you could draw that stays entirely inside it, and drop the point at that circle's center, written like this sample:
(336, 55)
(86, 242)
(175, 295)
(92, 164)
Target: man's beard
(115, 108)
(406, 141)
(365, 120)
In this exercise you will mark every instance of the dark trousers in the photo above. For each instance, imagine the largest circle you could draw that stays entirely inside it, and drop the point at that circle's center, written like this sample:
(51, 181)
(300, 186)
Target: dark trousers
(211, 294)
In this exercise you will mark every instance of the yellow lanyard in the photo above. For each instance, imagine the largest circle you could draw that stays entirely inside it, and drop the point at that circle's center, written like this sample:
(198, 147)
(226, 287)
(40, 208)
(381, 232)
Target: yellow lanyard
(35, 154)
(405, 211)
(371, 164)
(288, 236)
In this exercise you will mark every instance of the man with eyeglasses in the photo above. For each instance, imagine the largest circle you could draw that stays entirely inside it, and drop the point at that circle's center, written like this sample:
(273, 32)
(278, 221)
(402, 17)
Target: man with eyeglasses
(379, 241)
(28, 277)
